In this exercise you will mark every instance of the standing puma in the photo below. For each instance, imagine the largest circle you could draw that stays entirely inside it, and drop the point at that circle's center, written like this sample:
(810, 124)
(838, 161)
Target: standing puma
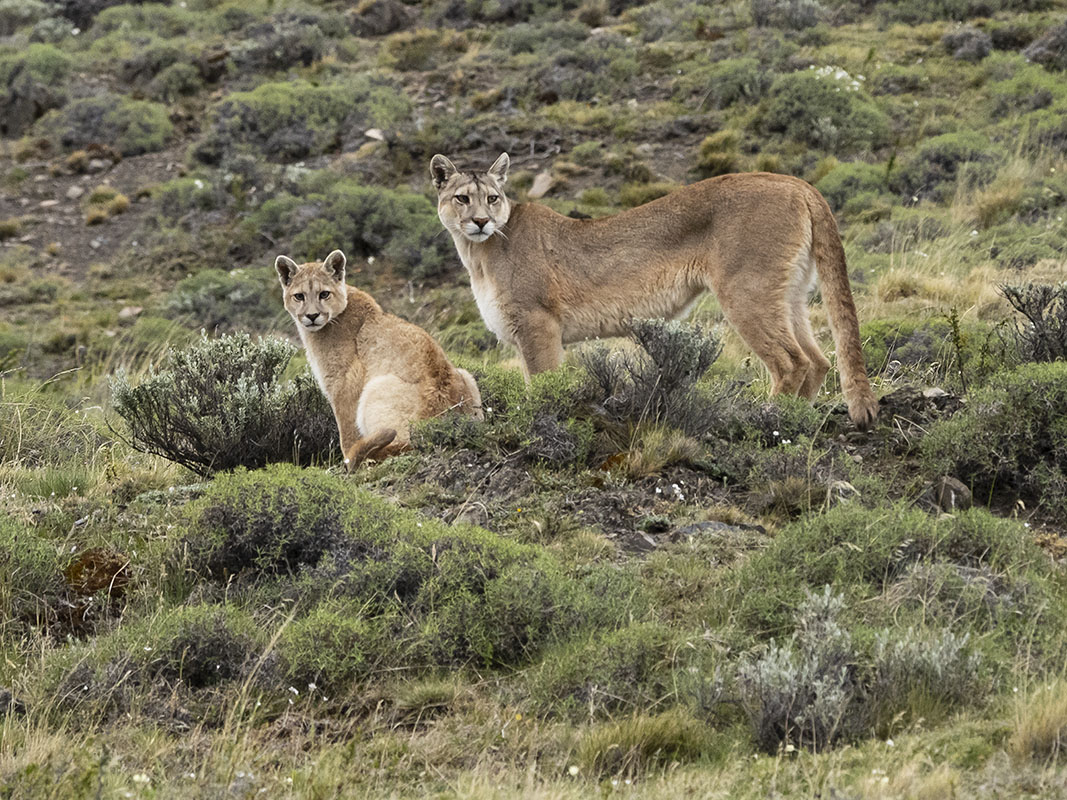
(379, 372)
(756, 240)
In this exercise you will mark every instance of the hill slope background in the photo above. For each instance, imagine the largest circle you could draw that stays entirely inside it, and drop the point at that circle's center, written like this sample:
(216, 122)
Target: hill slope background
(634, 579)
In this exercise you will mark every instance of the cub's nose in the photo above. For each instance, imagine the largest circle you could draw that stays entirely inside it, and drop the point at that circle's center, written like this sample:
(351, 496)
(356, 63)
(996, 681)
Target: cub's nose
(481, 222)
(312, 317)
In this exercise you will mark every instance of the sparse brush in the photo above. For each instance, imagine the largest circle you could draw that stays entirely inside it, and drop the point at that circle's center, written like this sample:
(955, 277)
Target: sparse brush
(10, 228)
(1043, 337)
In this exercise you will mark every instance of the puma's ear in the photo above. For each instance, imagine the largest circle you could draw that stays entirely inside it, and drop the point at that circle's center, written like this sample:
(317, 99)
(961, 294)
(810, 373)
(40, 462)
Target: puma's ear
(441, 169)
(286, 269)
(499, 170)
(335, 264)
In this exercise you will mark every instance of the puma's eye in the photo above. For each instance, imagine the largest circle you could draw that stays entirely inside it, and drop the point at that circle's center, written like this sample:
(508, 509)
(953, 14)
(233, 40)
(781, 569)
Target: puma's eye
(462, 199)
(323, 295)
(299, 297)
(492, 198)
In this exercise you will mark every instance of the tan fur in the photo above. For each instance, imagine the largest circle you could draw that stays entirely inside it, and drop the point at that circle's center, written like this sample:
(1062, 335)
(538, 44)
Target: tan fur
(379, 372)
(756, 240)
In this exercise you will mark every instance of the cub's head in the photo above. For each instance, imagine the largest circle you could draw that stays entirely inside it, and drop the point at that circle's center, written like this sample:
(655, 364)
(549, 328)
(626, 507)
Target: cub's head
(471, 203)
(314, 293)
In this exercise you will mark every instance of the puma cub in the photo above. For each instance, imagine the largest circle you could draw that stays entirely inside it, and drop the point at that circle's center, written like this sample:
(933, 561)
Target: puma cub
(379, 372)
(756, 240)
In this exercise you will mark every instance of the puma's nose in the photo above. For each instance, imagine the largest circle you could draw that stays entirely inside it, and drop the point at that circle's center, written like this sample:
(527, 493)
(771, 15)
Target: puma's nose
(312, 317)
(481, 222)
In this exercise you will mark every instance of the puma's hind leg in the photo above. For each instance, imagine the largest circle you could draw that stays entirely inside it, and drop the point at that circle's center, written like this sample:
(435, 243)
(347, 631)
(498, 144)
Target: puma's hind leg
(770, 335)
(388, 404)
(800, 318)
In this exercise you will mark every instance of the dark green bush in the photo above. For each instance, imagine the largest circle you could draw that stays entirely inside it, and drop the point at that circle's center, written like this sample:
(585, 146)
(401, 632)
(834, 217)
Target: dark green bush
(790, 14)
(222, 404)
(845, 181)
(933, 169)
(915, 12)
(544, 39)
(295, 119)
(227, 301)
(15, 14)
(1010, 441)
(330, 646)
(364, 221)
(33, 81)
(288, 40)
(130, 126)
(825, 109)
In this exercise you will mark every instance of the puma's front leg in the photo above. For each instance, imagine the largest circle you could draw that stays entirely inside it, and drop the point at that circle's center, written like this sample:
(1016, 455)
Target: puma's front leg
(344, 404)
(540, 343)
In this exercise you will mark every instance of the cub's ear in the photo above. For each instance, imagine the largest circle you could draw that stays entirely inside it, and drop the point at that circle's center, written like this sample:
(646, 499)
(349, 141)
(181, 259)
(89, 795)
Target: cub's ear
(286, 269)
(499, 170)
(335, 265)
(441, 169)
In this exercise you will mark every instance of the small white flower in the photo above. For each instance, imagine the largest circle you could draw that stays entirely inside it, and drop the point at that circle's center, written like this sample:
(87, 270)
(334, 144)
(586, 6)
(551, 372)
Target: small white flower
(312, 687)
(293, 689)
(140, 777)
(774, 433)
(890, 743)
(974, 233)
(573, 770)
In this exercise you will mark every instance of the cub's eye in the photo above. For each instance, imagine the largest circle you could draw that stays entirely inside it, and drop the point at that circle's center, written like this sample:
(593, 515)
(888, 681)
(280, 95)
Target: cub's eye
(299, 297)
(462, 199)
(323, 295)
(492, 198)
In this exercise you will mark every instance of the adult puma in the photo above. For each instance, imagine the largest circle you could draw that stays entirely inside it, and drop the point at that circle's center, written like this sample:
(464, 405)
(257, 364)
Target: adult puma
(757, 240)
(379, 372)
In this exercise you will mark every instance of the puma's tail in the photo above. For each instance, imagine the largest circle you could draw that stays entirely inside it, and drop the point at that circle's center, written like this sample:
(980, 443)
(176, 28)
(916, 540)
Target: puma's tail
(368, 447)
(830, 264)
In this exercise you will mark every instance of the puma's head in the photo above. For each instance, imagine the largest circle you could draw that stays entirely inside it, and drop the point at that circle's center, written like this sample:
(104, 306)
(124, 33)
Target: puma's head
(315, 292)
(471, 203)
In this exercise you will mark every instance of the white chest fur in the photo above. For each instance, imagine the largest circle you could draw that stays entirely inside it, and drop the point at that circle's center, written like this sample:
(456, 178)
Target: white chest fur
(489, 307)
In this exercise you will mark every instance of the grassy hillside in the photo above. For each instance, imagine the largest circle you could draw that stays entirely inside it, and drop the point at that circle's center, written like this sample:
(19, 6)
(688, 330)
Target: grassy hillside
(639, 577)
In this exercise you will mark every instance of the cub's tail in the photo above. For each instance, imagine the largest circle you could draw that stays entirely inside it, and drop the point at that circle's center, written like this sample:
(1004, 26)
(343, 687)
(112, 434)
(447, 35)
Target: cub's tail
(837, 297)
(368, 447)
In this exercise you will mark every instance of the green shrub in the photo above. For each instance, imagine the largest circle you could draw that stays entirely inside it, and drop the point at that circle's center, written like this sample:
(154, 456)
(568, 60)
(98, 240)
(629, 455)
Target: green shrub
(637, 194)
(914, 12)
(933, 169)
(825, 108)
(130, 126)
(295, 119)
(287, 40)
(461, 593)
(845, 181)
(222, 403)
(790, 14)
(726, 82)
(329, 646)
(236, 300)
(867, 550)
(178, 197)
(1010, 440)
(15, 14)
(34, 80)
(545, 39)
(541, 423)
(719, 154)
(935, 349)
(421, 49)
(38, 429)
(160, 19)
(177, 80)
(364, 221)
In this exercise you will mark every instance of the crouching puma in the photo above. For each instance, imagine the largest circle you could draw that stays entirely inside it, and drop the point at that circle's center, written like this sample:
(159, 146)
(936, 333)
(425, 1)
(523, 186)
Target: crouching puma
(757, 240)
(379, 372)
